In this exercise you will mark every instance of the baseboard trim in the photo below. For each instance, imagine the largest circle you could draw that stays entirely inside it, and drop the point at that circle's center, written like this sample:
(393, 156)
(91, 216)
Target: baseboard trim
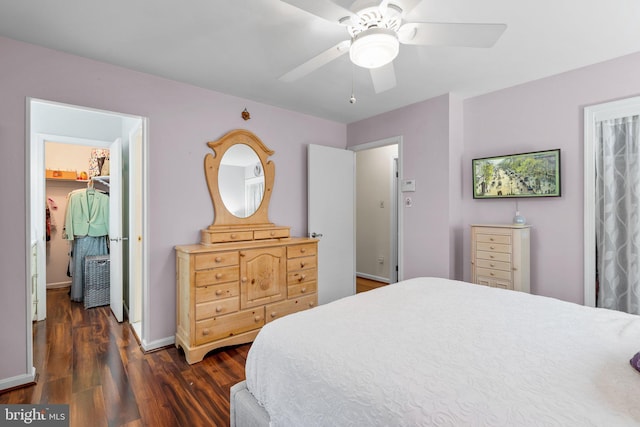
(57, 285)
(373, 277)
(157, 344)
(7, 384)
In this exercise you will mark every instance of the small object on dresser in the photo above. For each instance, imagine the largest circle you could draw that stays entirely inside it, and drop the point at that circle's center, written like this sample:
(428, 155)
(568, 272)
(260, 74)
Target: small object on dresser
(519, 219)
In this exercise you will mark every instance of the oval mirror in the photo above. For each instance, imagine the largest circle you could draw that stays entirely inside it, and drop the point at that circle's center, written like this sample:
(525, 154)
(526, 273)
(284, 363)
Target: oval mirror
(241, 181)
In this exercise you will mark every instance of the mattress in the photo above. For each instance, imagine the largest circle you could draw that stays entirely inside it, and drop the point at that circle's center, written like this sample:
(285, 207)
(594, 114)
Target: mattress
(432, 351)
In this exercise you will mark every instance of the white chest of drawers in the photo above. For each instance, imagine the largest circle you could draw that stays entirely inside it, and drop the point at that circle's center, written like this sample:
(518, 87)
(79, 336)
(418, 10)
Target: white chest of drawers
(500, 256)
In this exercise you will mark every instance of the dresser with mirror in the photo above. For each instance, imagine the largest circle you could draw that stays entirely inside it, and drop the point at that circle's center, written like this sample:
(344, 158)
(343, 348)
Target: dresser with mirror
(246, 271)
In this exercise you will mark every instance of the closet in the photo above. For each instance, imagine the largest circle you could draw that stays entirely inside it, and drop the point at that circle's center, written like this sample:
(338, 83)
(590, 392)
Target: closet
(77, 219)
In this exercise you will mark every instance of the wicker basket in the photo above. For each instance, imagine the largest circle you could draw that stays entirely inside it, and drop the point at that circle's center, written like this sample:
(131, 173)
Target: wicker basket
(96, 281)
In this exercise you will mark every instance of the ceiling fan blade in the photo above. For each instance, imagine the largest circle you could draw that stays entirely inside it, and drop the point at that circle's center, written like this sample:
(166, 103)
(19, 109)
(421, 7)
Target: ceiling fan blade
(324, 9)
(450, 34)
(408, 5)
(384, 78)
(317, 61)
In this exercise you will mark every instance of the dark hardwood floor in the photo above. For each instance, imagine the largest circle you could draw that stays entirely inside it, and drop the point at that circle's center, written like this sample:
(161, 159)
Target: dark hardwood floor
(364, 285)
(88, 360)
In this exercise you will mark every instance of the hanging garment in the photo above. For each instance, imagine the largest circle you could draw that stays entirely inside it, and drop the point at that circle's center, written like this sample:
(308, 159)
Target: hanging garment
(87, 214)
(84, 246)
(48, 223)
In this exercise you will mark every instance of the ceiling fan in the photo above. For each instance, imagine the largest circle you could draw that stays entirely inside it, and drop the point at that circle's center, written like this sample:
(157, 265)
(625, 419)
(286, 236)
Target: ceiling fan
(376, 30)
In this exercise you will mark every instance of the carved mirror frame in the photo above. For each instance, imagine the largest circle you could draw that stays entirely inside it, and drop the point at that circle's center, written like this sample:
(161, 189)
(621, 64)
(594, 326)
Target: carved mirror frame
(223, 219)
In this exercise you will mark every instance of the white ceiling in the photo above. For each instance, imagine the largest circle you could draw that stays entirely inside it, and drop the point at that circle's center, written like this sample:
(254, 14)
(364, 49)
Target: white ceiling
(241, 47)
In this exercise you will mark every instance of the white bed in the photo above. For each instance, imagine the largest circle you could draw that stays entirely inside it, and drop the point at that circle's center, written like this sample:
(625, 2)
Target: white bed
(433, 351)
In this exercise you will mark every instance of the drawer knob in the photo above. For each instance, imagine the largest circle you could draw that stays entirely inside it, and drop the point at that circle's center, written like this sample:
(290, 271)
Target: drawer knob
(218, 275)
(492, 247)
(491, 256)
(491, 239)
(244, 280)
(303, 250)
(491, 273)
(218, 309)
(219, 292)
(273, 233)
(302, 277)
(274, 314)
(302, 264)
(311, 304)
(303, 290)
(205, 332)
(257, 318)
(233, 235)
(492, 264)
(218, 259)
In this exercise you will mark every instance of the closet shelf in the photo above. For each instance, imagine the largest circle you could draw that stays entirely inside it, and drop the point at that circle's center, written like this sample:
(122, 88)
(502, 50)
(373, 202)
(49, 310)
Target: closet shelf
(67, 180)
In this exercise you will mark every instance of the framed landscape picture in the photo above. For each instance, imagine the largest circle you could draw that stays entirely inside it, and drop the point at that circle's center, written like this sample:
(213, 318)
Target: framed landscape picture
(535, 174)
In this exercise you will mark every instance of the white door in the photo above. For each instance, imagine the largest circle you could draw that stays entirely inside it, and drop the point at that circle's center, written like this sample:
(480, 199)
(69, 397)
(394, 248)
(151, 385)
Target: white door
(331, 216)
(115, 227)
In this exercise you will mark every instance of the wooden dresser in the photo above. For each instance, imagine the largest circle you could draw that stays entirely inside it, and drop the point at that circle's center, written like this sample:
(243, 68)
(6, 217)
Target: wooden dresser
(226, 292)
(500, 256)
(246, 271)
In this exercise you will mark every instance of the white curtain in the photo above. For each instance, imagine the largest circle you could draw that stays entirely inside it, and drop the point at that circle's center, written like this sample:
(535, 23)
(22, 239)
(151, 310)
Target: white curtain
(254, 190)
(618, 214)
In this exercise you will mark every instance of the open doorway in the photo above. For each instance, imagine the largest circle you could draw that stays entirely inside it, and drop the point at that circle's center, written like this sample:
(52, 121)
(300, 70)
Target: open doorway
(377, 213)
(73, 127)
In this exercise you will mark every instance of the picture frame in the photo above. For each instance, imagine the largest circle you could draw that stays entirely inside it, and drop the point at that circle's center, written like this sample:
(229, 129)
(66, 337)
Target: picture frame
(534, 174)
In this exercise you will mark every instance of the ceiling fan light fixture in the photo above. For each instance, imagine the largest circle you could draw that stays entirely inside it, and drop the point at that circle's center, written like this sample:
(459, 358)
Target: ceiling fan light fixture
(374, 47)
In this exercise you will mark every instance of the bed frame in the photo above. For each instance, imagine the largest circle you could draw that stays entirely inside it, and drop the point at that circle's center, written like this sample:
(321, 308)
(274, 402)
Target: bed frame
(245, 409)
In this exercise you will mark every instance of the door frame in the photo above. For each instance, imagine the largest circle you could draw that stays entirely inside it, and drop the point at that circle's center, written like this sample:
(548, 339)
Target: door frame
(398, 241)
(592, 115)
(35, 183)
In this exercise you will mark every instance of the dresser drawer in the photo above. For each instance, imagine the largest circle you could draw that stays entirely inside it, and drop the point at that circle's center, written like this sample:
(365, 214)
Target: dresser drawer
(495, 256)
(216, 292)
(496, 274)
(280, 309)
(302, 276)
(496, 283)
(277, 233)
(228, 325)
(302, 263)
(217, 308)
(233, 236)
(300, 289)
(493, 247)
(296, 251)
(214, 260)
(498, 265)
(217, 275)
(494, 238)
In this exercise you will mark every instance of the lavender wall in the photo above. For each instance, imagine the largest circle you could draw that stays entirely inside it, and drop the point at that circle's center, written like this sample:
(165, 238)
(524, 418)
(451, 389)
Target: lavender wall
(424, 128)
(182, 119)
(442, 135)
(541, 115)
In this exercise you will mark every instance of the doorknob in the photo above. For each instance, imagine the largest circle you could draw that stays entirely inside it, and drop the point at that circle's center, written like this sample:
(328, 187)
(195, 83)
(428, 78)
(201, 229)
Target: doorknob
(316, 235)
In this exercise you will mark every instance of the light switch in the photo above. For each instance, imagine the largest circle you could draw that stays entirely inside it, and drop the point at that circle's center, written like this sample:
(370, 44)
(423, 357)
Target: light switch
(408, 202)
(408, 185)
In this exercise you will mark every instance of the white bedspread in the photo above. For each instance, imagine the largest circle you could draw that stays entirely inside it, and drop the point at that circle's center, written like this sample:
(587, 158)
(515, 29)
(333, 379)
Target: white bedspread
(438, 352)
